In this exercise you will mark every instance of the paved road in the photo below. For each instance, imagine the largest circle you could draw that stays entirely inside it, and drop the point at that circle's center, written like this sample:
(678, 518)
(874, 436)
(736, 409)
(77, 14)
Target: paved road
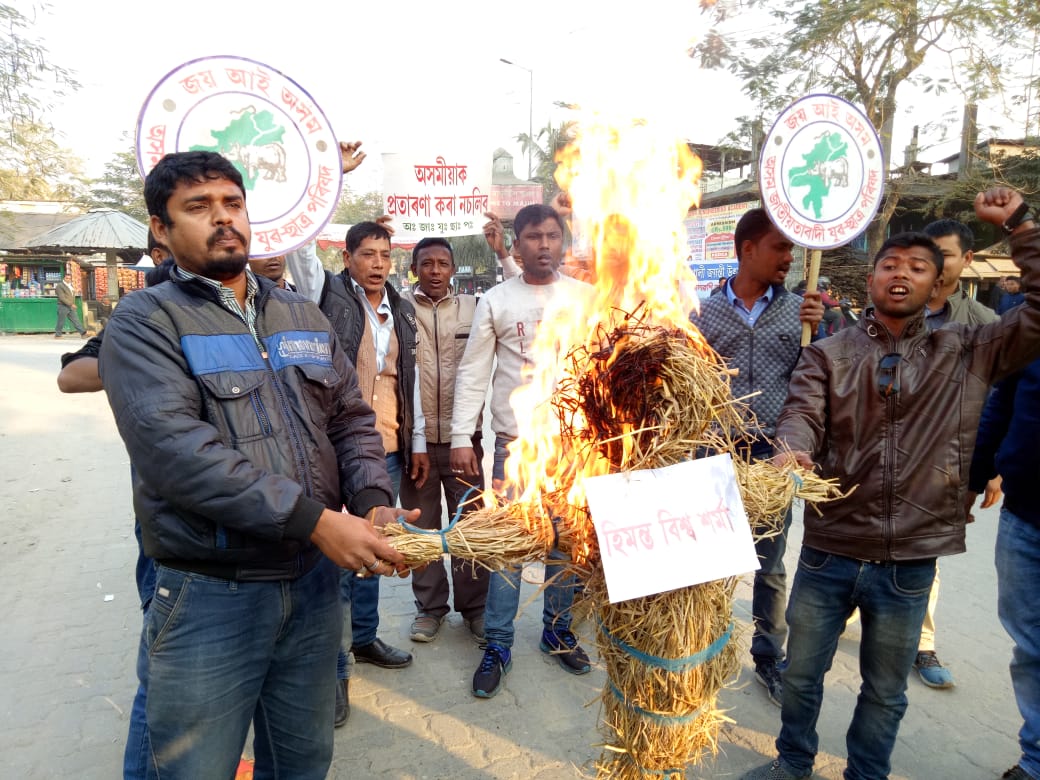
(72, 620)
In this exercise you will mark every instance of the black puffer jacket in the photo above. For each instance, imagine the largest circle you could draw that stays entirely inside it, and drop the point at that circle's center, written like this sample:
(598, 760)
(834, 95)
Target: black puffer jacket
(237, 451)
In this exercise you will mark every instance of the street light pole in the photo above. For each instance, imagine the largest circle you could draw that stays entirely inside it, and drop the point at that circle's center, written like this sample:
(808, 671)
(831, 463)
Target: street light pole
(530, 111)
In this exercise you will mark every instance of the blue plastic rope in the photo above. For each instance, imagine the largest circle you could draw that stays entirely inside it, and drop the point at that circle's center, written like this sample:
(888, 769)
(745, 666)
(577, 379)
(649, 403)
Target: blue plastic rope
(664, 720)
(797, 480)
(442, 532)
(672, 664)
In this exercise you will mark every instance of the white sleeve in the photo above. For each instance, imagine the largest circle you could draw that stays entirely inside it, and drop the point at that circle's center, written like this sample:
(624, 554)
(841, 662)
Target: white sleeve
(306, 270)
(509, 267)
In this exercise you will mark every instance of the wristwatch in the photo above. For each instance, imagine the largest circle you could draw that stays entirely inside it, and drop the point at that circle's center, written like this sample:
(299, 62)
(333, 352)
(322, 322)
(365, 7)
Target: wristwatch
(1017, 218)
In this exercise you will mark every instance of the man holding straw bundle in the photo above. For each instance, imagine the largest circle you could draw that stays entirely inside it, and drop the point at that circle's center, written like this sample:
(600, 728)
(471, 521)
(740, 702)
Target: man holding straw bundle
(755, 324)
(890, 408)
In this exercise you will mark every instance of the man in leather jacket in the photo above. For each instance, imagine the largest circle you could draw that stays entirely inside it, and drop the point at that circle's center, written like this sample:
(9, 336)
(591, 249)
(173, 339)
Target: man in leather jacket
(891, 409)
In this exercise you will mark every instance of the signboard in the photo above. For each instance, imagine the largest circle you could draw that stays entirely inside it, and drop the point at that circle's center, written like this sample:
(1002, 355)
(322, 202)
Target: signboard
(436, 193)
(821, 172)
(668, 528)
(709, 240)
(507, 199)
(270, 129)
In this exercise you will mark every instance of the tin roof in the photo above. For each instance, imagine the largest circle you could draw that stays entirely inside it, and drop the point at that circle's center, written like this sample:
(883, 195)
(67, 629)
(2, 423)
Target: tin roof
(100, 229)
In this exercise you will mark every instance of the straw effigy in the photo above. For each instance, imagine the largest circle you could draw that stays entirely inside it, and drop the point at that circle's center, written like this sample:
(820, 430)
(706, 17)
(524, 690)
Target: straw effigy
(639, 397)
(668, 655)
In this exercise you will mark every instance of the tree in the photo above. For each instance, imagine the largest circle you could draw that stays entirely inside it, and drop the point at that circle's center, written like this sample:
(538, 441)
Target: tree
(34, 167)
(120, 188)
(544, 147)
(32, 164)
(29, 81)
(956, 200)
(358, 208)
(863, 51)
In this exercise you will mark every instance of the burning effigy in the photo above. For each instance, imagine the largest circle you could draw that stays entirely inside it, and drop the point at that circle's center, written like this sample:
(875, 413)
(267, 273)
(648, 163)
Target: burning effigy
(619, 383)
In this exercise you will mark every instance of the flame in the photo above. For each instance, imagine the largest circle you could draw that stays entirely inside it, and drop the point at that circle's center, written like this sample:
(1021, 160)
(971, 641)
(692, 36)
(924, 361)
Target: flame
(631, 186)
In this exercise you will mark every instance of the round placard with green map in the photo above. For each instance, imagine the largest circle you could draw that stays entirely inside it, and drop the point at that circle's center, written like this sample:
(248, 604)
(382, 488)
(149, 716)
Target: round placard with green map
(821, 172)
(267, 125)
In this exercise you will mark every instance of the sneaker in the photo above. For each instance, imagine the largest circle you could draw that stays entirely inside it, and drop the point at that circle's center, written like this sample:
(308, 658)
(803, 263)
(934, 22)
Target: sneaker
(772, 771)
(425, 627)
(476, 627)
(1016, 773)
(932, 673)
(564, 645)
(768, 673)
(493, 667)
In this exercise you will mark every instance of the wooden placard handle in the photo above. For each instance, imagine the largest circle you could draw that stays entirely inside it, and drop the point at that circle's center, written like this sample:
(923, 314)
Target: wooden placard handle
(810, 285)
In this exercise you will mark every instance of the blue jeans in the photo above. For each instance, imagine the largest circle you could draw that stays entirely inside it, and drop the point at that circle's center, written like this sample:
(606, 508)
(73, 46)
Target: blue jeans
(1018, 571)
(769, 593)
(503, 598)
(892, 599)
(136, 754)
(360, 596)
(503, 601)
(769, 597)
(224, 653)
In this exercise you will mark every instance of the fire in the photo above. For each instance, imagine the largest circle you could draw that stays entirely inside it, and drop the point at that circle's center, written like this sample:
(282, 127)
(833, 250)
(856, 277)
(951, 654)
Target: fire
(631, 186)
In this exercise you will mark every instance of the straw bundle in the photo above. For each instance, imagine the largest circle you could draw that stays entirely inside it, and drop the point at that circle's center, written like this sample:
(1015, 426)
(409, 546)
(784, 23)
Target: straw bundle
(647, 397)
(638, 397)
(502, 536)
(666, 658)
(499, 536)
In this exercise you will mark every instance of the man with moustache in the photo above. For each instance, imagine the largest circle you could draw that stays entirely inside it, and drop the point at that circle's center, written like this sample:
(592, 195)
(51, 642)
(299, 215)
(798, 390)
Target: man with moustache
(378, 331)
(891, 408)
(755, 323)
(248, 435)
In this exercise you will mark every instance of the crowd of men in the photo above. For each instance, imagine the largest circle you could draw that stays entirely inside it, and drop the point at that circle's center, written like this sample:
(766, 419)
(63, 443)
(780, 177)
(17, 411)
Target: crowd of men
(274, 427)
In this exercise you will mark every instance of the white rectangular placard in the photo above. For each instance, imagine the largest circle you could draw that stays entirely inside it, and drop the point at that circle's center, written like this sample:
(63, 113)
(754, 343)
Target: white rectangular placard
(667, 528)
(436, 193)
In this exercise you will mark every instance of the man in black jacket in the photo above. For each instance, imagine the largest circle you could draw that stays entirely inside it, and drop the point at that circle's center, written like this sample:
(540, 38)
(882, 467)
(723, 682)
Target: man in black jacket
(248, 434)
(379, 333)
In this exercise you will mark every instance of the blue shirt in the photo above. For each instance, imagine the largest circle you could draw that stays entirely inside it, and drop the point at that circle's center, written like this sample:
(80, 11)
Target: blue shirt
(748, 315)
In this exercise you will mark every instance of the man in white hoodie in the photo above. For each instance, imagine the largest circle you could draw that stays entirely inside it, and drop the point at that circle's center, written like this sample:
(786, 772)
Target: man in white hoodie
(504, 327)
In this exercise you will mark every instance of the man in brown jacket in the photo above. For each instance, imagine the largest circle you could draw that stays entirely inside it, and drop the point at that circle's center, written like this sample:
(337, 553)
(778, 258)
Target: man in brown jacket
(67, 308)
(891, 408)
(444, 319)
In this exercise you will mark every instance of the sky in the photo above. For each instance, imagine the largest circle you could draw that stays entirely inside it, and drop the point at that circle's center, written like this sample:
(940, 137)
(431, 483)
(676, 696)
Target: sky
(406, 74)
